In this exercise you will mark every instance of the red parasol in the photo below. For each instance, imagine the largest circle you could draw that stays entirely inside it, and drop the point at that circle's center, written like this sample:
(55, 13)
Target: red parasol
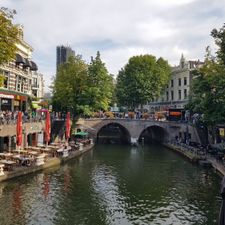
(19, 129)
(68, 125)
(47, 127)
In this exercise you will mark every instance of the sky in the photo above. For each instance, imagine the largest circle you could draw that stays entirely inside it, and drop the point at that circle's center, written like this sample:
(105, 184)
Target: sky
(119, 29)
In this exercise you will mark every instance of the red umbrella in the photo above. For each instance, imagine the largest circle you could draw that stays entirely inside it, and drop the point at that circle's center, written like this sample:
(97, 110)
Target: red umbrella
(47, 127)
(19, 129)
(68, 125)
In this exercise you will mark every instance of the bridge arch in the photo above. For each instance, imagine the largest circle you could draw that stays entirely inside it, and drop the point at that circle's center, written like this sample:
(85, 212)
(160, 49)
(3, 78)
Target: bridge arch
(113, 132)
(154, 133)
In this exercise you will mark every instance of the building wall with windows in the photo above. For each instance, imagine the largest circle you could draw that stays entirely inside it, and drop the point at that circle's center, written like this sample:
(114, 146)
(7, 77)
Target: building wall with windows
(18, 78)
(37, 84)
(177, 91)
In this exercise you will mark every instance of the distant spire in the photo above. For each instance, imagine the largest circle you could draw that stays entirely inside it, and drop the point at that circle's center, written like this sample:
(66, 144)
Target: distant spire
(182, 57)
(182, 61)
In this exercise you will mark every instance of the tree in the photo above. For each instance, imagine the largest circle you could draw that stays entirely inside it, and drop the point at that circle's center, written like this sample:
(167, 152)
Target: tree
(70, 87)
(8, 35)
(141, 80)
(208, 87)
(219, 36)
(208, 93)
(100, 84)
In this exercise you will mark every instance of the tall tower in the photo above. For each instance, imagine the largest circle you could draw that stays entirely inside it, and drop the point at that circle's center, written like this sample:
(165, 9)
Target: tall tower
(62, 54)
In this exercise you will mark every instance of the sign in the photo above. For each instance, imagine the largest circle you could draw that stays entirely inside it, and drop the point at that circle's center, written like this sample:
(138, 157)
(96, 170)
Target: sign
(222, 133)
(6, 101)
(6, 96)
(16, 103)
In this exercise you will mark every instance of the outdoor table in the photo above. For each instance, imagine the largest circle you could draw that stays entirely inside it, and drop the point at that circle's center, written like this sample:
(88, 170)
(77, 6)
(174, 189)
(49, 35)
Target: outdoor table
(55, 144)
(63, 152)
(8, 164)
(20, 151)
(35, 148)
(6, 154)
(2, 169)
(46, 150)
(33, 153)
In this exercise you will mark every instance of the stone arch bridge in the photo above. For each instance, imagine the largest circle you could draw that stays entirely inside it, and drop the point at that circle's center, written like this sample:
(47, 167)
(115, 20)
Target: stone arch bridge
(162, 130)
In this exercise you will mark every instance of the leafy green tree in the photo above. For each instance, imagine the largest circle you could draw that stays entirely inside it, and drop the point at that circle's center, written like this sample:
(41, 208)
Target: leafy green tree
(208, 87)
(208, 93)
(219, 36)
(100, 84)
(141, 80)
(8, 35)
(70, 87)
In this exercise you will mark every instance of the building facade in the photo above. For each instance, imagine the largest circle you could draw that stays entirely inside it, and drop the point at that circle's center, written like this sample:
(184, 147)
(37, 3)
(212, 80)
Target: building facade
(177, 91)
(37, 85)
(62, 54)
(18, 75)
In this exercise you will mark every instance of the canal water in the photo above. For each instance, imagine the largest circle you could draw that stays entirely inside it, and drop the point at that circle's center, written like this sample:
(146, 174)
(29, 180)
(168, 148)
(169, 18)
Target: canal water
(115, 184)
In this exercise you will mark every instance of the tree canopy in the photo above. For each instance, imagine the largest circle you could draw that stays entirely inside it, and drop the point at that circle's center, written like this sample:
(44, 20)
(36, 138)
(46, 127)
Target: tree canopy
(8, 35)
(82, 88)
(141, 80)
(100, 84)
(208, 87)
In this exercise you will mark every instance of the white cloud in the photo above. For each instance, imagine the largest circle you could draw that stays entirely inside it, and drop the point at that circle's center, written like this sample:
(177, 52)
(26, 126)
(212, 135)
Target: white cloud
(119, 29)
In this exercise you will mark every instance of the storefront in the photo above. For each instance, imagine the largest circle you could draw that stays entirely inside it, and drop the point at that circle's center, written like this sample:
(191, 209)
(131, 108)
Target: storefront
(10, 100)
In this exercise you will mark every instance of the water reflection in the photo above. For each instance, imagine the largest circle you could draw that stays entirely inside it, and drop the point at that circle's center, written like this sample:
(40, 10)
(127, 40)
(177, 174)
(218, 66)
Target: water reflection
(16, 201)
(46, 186)
(115, 185)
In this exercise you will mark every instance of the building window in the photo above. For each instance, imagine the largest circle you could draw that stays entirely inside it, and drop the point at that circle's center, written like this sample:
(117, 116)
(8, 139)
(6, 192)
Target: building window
(167, 96)
(171, 95)
(179, 82)
(171, 83)
(185, 80)
(185, 93)
(179, 94)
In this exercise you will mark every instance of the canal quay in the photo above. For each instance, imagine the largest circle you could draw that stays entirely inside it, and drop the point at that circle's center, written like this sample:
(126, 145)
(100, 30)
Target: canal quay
(115, 181)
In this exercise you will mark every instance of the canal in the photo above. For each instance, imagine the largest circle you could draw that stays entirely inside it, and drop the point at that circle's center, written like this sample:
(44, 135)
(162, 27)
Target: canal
(115, 184)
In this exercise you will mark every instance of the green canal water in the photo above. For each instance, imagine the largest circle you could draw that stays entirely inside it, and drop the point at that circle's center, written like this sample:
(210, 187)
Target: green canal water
(115, 184)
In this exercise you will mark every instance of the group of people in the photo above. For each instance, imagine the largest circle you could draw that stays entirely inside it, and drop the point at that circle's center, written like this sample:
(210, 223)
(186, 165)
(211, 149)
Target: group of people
(10, 117)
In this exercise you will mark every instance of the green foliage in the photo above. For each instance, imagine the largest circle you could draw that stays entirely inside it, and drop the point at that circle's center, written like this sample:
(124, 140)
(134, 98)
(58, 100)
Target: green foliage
(208, 86)
(219, 36)
(100, 84)
(141, 80)
(82, 88)
(70, 86)
(208, 93)
(8, 35)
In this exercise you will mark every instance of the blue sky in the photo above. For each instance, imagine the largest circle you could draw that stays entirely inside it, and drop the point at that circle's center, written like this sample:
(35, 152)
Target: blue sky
(119, 29)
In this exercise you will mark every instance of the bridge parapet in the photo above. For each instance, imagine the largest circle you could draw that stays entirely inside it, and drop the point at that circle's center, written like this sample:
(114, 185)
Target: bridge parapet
(135, 127)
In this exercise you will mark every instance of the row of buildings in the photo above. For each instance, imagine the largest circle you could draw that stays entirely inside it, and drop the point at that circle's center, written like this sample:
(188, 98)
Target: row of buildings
(22, 79)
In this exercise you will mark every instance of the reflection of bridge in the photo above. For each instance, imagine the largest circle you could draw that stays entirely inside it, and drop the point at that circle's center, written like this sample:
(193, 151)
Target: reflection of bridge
(162, 131)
